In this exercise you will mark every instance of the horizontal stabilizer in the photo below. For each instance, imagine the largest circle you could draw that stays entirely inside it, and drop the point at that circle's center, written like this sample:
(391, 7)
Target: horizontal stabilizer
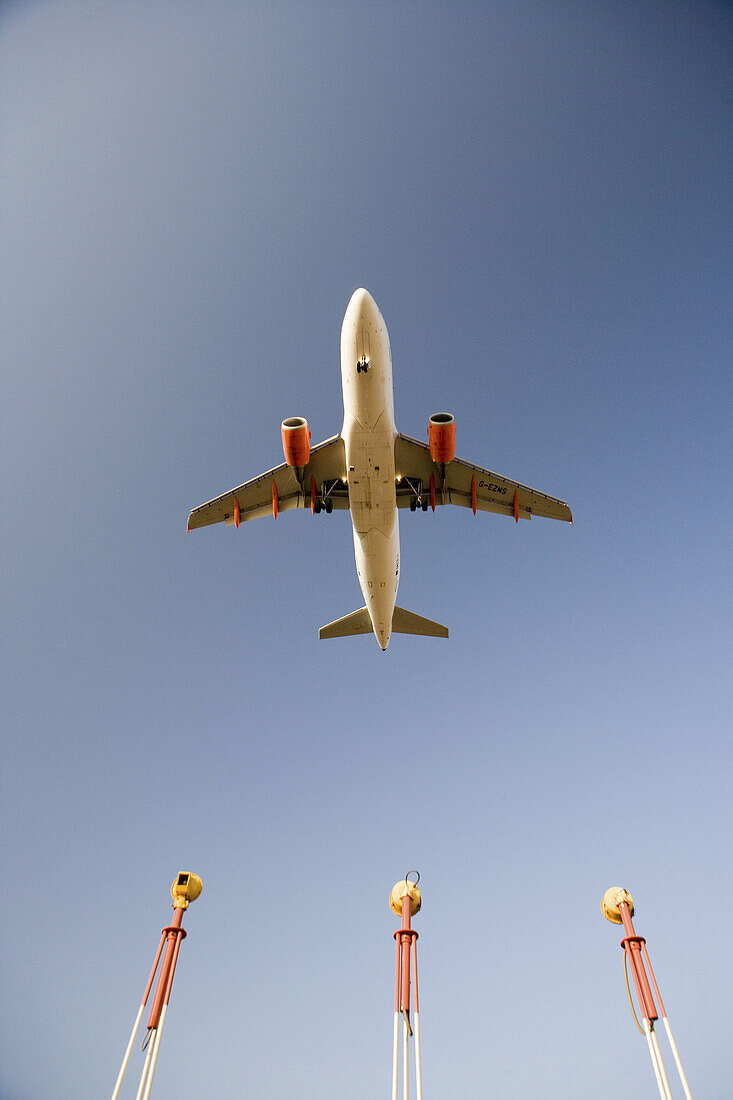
(358, 622)
(407, 622)
(403, 622)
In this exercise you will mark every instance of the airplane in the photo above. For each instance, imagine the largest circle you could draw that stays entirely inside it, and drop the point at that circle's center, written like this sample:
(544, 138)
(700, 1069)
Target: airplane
(374, 470)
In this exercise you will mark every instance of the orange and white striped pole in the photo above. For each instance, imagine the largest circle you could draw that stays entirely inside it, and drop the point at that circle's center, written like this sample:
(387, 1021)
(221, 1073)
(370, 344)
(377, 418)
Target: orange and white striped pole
(405, 901)
(617, 905)
(184, 890)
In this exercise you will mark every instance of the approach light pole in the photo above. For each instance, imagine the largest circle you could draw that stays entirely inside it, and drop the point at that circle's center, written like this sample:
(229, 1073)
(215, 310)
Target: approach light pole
(617, 905)
(405, 901)
(184, 890)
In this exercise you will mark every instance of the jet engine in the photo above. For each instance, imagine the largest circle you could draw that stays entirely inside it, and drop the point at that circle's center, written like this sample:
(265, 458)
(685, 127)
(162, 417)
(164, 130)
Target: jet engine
(296, 441)
(442, 437)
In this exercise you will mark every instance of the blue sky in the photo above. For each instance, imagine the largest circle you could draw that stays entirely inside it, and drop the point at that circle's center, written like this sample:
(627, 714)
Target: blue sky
(537, 196)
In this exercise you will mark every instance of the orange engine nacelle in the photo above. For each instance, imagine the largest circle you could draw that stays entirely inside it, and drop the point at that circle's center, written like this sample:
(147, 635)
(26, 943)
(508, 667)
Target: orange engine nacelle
(296, 441)
(442, 437)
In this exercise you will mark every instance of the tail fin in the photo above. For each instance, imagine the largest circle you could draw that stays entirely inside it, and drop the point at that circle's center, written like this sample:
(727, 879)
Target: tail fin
(358, 622)
(403, 622)
(407, 622)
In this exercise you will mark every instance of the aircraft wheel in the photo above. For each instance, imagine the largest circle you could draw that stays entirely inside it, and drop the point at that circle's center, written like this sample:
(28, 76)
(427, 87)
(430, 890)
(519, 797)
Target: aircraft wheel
(424, 504)
(317, 507)
(328, 505)
(413, 504)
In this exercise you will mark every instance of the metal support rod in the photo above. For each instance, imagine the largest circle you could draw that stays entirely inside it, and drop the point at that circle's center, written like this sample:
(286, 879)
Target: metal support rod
(632, 945)
(173, 935)
(667, 1028)
(138, 1018)
(166, 998)
(635, 948)
(648, 962)
(418, 1066)
(405, 941)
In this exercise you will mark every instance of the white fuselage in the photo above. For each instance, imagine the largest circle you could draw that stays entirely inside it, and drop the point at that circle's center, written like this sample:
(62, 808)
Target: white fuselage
(369, 435)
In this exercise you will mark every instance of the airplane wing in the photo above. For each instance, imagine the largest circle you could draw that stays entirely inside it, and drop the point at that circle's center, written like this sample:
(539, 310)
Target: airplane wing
(470, 486)
(279, 490)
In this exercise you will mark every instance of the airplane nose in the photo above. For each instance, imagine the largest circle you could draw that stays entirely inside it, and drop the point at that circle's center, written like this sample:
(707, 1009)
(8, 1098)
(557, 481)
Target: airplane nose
(362, 307)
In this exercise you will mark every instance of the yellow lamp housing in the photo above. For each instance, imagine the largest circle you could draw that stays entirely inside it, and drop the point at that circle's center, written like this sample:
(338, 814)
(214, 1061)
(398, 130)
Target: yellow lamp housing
(186, 889)
(611, 901)
(401, 890)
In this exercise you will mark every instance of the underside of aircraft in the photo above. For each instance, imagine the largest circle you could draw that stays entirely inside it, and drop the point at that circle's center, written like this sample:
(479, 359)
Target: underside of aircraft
(373, 470)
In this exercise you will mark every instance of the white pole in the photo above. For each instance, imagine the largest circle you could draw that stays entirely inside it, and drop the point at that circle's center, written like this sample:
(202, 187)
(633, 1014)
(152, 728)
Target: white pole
(663, 1071)
(653, 1056)
(677, 1061)
(405, 1062)
(146, 1064)
(128, 1052)
(395, 1054)
(658, 1065)
(418, 1069)
(154, 1059)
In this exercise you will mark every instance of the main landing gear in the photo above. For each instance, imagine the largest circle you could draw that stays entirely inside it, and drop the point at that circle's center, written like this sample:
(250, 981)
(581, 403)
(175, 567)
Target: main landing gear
(322, 500)
(418, 497)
